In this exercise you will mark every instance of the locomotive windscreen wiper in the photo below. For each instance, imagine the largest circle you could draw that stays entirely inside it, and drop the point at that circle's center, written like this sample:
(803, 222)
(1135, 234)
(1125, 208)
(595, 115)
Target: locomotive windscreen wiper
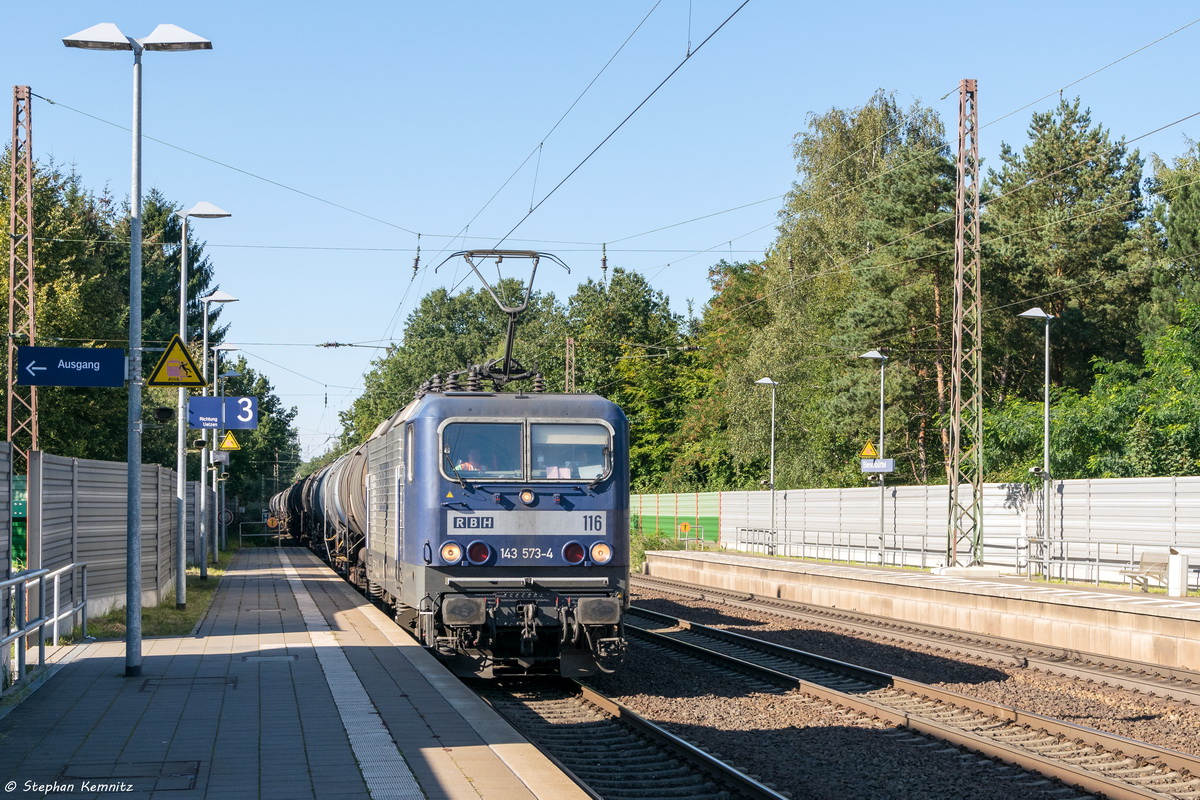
(605, 469)
(457, 476)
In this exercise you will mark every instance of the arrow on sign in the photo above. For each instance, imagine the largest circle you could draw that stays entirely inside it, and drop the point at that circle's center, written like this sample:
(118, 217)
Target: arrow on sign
(30, 368)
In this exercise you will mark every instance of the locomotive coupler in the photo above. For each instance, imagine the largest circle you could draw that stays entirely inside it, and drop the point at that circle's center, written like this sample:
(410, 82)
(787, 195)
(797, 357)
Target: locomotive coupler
(529, 625)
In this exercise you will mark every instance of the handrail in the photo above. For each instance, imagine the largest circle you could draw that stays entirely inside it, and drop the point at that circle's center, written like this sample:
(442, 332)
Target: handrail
(18, 587)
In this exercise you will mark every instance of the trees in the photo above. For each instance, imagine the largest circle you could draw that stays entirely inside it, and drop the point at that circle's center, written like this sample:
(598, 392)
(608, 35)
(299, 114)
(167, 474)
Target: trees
(82, 261)
(1058, 234)
(628, 343)
(253, 469)
(1175, 240)
(448, 333)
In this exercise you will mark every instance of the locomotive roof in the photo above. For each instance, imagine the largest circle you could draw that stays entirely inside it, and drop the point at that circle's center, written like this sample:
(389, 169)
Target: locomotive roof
(505, 404)
(485, 404)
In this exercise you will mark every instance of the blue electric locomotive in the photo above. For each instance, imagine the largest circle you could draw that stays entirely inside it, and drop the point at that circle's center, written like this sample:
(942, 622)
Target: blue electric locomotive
(495, 523)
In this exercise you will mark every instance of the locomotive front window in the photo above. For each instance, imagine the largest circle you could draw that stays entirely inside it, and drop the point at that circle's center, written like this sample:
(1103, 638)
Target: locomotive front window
(568, 451)
(482, 449)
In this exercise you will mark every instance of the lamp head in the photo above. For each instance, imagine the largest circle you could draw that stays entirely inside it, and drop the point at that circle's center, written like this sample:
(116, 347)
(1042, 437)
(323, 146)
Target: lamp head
(875, 354)
(766, 382)
(204, 210)
(105, 36)
(173, 38)
(219, 297)
(1036, 313)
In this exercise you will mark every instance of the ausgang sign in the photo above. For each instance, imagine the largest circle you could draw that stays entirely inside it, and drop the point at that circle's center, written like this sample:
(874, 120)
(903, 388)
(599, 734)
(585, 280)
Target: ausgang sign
(71, 366)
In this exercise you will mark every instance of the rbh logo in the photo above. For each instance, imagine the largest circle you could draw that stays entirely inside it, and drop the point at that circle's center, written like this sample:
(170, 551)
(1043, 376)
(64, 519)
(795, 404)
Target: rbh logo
(474, 522)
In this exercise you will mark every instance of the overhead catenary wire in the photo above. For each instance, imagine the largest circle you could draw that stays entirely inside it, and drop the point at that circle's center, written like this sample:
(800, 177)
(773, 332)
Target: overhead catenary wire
(676, 261)
(620, 125)
(389, 223)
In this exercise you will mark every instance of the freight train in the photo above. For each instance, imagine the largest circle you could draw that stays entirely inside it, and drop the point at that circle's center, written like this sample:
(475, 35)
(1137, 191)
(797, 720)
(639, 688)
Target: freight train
(494, 523)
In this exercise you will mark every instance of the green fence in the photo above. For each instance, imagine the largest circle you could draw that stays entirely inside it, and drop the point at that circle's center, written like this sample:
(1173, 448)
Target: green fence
(694, 516)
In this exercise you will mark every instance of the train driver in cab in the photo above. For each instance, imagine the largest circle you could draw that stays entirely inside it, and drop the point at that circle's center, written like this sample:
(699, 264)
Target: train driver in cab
(473, 462)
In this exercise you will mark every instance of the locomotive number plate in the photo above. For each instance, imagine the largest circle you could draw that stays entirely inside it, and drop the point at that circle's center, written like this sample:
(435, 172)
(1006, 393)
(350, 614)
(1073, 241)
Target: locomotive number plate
(559, 522)
(526, 553)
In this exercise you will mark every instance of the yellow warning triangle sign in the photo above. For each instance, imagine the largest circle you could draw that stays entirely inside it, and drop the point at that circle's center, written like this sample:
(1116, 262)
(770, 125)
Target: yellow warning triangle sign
(868, 451)
(176, 367)
(229, 443)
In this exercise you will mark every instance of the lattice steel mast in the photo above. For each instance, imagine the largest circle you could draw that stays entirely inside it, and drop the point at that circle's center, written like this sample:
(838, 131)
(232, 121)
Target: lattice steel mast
(22, 415)
(569, 378)
(965, 467)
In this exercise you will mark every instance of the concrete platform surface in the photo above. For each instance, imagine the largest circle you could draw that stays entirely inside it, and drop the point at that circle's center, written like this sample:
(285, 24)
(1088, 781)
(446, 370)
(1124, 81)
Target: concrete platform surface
(291, 686)
(1109, 622)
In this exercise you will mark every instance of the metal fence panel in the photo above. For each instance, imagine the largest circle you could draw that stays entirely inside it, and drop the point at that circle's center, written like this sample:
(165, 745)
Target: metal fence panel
(1097, 525)
(77, 512)
(6, 493)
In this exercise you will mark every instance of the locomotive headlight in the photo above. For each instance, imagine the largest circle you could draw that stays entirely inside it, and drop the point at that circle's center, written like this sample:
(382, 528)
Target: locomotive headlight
(573, 552)
(527, 496)
(601, 553)
(451, 552)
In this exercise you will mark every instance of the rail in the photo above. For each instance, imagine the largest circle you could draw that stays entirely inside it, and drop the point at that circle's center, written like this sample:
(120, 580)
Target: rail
(19, 627)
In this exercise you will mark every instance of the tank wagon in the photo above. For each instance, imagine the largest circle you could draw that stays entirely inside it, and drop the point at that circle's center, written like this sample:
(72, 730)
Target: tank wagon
(494, 523)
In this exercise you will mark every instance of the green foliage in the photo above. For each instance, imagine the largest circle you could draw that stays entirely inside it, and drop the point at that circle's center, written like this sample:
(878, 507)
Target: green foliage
(82, 289)
(1059, 222)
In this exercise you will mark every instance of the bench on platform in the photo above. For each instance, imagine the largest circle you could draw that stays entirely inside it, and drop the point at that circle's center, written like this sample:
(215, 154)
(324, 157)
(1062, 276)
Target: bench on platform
(1151, 567)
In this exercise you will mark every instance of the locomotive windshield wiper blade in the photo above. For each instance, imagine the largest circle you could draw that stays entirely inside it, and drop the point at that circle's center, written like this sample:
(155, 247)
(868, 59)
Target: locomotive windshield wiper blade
(457, 476)
(605, 470)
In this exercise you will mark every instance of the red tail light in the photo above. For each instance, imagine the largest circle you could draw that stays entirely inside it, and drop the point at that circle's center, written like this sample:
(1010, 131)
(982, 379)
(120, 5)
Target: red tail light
(573, 552)
(478, 553)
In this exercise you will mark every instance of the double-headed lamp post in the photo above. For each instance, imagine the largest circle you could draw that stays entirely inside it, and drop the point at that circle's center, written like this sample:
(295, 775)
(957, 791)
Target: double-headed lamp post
(882, 359)
(202, 504)
(201, 210)
(1047, 485)
(169, 38)
(772, 384)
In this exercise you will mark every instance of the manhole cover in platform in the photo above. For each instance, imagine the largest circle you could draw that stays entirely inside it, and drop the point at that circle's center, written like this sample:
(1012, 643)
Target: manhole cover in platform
(205, 683)
(137, 776)
(287, 659)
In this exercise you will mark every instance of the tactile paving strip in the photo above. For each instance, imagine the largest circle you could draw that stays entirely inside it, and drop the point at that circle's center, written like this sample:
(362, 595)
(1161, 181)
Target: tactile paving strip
(383, 767)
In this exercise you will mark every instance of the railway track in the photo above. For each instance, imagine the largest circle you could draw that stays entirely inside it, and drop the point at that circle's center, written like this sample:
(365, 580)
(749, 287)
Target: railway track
(1115, 767)
(1153, 679)
(613, 752)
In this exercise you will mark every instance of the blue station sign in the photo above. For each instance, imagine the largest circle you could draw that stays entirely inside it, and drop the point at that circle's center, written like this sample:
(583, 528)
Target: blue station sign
(223, 413)
(71, 366)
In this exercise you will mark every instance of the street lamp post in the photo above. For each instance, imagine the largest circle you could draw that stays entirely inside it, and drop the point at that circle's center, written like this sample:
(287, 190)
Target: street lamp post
(774, 532)
(202, 533)
(107, 36)
(201, 210)
(1047, 484)
(882, 359)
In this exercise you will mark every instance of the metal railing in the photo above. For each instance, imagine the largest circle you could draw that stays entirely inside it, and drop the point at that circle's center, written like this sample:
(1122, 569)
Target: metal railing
(1092, 561)
(19, 627)
(277, 533)
(865, 547)
(1095, 560)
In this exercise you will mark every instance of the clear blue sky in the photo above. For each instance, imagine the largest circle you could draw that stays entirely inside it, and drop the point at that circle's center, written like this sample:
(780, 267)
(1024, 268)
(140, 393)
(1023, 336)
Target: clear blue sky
(347, 127)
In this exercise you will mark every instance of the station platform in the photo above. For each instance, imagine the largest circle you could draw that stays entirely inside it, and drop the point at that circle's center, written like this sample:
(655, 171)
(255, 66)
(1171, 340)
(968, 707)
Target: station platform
(1109, 622)
(291, 686)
